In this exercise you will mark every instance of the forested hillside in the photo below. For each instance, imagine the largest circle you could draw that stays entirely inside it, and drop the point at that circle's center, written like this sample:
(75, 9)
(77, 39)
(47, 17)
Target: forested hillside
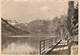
(57, 26)
(8, 29)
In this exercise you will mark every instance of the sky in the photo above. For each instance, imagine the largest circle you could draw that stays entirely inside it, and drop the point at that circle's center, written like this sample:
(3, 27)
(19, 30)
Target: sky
(27, 11)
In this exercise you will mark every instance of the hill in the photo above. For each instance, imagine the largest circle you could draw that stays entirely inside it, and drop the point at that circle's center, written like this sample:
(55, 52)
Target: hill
(11, 30)
(22, 26)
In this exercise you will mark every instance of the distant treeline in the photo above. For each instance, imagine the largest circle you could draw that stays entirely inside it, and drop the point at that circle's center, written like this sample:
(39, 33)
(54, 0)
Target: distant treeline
(57, 26)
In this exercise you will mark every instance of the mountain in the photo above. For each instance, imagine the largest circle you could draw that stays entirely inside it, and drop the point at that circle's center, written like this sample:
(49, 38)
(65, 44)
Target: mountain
(22, 26)
(12, 21)
(38, 27)
(57, 26)
(9, 29)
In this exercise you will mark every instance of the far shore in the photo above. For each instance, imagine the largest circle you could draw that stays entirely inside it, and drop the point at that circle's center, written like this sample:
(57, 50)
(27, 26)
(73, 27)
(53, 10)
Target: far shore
(34, 35)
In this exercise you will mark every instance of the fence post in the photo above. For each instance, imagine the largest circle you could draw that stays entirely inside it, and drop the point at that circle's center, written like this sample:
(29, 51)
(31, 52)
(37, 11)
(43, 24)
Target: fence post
(52, 41)
(44, 45)
(40, 47)
(55, 40)
(49, 43)
(69, 45)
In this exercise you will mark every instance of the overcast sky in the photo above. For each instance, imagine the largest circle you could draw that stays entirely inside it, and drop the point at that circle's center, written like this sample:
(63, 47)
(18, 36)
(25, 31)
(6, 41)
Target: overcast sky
(26, 11)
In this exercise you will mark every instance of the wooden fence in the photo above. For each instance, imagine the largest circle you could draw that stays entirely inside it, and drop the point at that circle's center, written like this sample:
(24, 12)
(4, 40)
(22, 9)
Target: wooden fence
(47, 44)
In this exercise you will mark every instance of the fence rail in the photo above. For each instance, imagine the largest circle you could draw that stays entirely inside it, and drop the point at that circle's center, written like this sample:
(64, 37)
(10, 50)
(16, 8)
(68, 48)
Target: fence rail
(54, 47)
(46, 44)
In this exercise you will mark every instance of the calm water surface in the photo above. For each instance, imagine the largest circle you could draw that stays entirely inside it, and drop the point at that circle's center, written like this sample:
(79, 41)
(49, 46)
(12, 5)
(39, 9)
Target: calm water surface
(23, 44)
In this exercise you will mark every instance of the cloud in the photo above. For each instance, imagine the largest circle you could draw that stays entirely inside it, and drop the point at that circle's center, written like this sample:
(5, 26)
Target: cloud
(44, 9)
(61, 10)
(29, 11)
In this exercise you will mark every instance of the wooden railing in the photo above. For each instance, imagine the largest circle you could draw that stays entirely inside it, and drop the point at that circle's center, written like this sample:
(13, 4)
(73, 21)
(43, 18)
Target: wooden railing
(46, 44)
(54, 47)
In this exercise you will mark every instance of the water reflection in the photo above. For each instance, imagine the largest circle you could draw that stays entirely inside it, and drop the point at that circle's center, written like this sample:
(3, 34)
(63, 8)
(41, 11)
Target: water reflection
(17, 48)
(22, 45)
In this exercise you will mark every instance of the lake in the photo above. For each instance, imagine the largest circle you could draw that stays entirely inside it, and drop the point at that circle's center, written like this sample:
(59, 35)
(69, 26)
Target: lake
(23, 44)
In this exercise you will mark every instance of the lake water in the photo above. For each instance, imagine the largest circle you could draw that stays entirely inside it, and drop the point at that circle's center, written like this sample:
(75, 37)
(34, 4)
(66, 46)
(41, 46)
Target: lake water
(23, 44)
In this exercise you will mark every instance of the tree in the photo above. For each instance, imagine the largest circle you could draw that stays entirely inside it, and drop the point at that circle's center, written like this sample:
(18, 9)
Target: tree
(72, 18)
